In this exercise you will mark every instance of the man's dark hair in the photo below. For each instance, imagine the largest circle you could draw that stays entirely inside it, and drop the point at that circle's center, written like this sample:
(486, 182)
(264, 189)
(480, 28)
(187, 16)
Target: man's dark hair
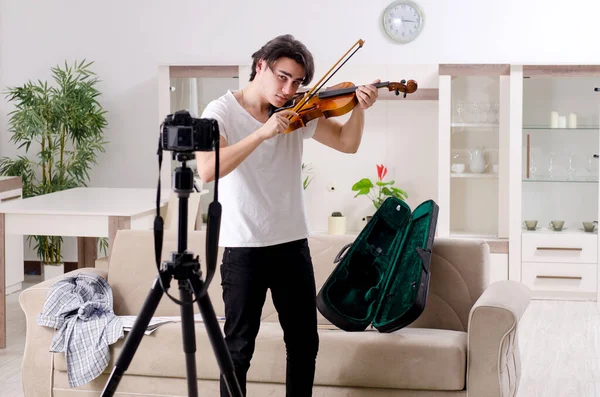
(285, 46)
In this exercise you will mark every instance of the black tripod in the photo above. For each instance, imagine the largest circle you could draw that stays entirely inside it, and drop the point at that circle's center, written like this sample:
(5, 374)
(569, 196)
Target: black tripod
(186, 270)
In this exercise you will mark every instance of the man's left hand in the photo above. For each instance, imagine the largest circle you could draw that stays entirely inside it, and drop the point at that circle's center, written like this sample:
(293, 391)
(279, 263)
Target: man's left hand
(367, 95)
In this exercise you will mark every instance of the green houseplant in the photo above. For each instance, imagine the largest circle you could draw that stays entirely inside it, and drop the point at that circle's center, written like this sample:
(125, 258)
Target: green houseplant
(380, 190)
(307, 174)
(60, 128)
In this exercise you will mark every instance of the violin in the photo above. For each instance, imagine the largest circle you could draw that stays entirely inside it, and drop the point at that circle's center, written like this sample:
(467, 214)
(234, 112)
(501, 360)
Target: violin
(333, 101)
(337, 101)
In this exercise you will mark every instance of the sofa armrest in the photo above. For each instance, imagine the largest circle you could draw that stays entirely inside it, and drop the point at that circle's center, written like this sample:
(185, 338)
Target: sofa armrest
(493, 360)
(37, 358)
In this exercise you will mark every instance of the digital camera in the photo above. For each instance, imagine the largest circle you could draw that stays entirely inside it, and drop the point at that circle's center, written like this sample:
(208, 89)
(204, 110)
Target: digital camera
(182, 133)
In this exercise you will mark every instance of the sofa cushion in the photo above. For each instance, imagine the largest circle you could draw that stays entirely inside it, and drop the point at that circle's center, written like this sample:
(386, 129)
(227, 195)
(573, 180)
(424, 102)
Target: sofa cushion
(411, 358)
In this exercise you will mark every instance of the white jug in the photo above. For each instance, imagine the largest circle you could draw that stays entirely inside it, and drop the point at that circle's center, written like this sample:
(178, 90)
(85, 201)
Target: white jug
(477, 162)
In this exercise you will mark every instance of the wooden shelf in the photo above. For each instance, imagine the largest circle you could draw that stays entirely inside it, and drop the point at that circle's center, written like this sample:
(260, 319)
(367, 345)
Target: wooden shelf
(475, 125)
(470, 175)
(421, 94)
(474, 69)
(10, 183)
(561, 71)
(199, 71)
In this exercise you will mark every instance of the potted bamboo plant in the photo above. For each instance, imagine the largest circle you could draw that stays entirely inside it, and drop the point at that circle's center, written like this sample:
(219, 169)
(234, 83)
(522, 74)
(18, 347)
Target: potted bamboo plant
(60, 128)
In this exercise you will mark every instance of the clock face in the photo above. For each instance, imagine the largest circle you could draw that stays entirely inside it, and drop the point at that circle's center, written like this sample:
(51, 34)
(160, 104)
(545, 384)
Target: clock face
(402, 21)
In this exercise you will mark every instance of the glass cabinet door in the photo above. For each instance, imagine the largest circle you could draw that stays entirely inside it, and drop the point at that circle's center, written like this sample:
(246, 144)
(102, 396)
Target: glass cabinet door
(474, 146)
(473, 151)
(559, 153)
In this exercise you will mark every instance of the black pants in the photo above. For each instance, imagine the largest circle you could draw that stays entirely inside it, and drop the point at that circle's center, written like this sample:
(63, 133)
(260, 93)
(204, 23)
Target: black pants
(288, 271)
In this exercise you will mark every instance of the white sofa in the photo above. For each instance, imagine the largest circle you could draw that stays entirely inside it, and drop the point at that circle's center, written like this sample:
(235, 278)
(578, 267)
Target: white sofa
(465, 342)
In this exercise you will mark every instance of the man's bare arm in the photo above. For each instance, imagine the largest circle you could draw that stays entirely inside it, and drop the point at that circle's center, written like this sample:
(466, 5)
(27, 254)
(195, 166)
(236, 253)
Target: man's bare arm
(230, 157)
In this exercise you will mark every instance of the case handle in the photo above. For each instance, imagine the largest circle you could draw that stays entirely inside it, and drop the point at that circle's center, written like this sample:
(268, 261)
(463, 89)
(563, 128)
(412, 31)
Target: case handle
(338, 257)
(425, 256)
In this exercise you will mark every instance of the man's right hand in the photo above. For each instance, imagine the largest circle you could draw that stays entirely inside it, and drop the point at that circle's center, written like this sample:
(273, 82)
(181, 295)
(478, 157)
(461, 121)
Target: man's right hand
(276, 124)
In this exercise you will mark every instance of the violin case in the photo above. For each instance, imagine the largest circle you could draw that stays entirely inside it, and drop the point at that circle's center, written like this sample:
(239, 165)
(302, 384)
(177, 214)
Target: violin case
(382, 278)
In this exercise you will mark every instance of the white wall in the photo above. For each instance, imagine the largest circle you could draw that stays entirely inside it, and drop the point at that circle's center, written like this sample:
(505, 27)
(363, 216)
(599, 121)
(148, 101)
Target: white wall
(128, 40)
(399, 133)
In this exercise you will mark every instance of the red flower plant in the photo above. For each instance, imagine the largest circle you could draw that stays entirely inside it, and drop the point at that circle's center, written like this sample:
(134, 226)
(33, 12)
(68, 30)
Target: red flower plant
(384, 189)
(381, 171)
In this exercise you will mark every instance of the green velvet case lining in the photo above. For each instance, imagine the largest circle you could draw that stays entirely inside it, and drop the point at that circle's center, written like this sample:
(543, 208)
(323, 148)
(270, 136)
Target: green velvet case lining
(382, 264)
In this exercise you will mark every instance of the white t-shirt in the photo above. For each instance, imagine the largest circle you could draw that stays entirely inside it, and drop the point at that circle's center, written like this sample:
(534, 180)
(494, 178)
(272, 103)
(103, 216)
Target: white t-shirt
(262, 199)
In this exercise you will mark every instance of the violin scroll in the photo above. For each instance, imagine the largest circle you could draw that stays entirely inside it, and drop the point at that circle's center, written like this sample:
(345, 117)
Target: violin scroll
(403, 86)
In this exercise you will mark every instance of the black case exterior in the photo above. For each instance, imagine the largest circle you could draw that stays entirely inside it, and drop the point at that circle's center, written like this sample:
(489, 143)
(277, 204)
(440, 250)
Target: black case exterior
(405, 281)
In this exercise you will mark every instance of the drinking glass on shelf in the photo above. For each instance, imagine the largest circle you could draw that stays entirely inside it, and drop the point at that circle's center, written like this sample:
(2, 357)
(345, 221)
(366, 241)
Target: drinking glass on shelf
(551, 165)
(572, 169)
(474, 112)
(589, 168)
(496, 112)
(532, 168)
(460, 109)
(486, 116)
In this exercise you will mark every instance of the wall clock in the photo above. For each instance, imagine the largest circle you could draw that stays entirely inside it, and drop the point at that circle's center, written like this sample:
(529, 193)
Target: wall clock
(402, 21)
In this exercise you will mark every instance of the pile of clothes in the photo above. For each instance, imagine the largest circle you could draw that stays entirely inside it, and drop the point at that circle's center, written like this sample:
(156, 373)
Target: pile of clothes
(80, 308)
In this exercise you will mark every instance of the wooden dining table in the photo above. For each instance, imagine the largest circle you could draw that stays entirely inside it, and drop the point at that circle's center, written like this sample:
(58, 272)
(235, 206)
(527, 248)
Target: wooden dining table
(87, 213)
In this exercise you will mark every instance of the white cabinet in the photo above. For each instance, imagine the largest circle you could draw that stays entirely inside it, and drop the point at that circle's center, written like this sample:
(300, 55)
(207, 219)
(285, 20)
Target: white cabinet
(498, 267)
(563, 247)
(10, 189)
(561, 280)
(560, 266)
(554, 138)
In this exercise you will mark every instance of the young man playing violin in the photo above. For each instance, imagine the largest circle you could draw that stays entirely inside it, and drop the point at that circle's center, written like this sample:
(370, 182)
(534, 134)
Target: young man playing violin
(264, 226)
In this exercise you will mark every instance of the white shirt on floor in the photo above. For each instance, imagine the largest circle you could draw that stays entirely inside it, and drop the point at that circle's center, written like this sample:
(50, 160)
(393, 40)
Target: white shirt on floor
(262, 199)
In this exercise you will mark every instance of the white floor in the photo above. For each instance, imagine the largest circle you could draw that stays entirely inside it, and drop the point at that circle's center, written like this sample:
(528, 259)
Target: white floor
(11, 357)
(559, 341)
(560, 349)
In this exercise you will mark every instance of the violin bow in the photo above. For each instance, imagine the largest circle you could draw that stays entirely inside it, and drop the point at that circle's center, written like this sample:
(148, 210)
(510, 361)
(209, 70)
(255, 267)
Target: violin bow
(321, 83)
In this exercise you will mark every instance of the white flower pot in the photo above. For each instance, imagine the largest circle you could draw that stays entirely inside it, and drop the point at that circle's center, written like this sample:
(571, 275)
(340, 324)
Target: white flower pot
(337, 225)
(51, 271)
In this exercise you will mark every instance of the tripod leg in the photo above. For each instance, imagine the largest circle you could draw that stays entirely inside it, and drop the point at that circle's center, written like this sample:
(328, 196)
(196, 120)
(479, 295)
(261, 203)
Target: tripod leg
(134, 338)
(216, 338)
(189, 337)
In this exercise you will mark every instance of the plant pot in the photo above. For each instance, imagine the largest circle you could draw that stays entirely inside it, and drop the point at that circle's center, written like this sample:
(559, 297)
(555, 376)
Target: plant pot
(52, 270)
(337, 225)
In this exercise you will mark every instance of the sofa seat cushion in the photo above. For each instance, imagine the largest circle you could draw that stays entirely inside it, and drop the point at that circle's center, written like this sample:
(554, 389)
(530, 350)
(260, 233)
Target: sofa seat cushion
(411, 358)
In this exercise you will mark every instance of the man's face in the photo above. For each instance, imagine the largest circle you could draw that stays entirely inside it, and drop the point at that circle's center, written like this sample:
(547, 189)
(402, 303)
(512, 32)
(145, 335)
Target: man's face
(280, 81)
